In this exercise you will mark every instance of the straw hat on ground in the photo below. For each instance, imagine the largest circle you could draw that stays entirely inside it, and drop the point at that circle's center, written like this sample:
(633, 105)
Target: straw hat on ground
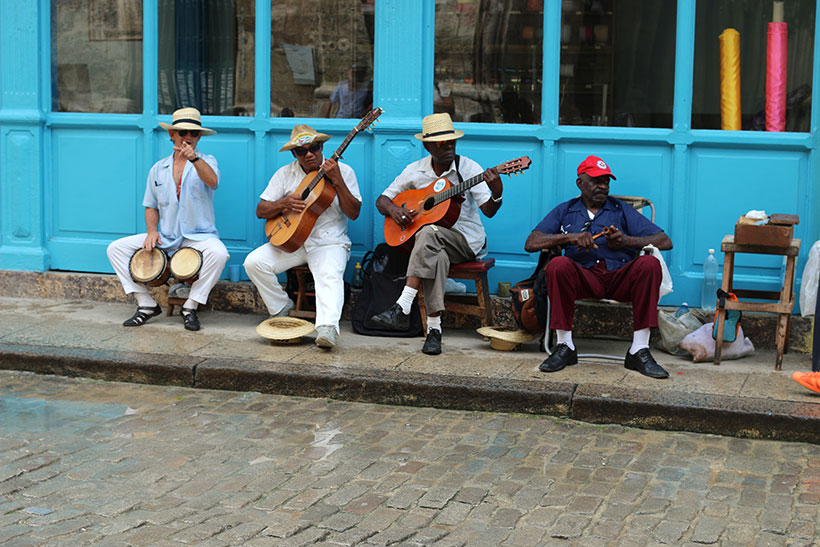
(505, 339)
(303, 135)
(187, 118)
(284, 330)
(438, 127)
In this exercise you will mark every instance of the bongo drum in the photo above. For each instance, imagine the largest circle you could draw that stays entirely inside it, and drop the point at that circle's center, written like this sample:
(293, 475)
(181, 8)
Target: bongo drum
(150, 267)
(185, 264)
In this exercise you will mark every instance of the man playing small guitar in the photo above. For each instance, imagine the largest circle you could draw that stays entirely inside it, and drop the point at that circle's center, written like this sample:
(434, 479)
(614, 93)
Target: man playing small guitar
(327, 247)
(436, 247)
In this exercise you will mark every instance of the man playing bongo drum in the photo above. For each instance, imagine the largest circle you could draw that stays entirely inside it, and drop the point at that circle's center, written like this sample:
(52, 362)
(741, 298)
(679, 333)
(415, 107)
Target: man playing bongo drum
(179, 212)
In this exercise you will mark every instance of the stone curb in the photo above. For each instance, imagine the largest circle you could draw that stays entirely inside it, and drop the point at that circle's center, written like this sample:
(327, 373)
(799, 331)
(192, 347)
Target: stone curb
(696, 412)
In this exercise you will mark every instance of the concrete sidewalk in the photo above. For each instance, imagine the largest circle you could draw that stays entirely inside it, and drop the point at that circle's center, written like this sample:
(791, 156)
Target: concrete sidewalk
(85, 338)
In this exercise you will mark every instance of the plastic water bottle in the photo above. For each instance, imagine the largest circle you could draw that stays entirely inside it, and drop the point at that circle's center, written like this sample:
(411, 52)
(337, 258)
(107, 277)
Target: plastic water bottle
(357, 276)
(708, 293)
(683, 310)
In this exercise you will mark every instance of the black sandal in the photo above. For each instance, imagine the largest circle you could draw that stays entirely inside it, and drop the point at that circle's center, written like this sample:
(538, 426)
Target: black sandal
(189, 318)
(142, 315)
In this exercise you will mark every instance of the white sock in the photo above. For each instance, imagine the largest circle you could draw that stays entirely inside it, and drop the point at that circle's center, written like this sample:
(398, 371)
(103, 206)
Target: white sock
(640, 340)
(433, 323)
(191, 304)
(406, 299)
(144, 300)
(565, 337)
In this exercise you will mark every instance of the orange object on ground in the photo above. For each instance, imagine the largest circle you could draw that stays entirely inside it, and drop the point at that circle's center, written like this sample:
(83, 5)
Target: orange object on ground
(810, 380)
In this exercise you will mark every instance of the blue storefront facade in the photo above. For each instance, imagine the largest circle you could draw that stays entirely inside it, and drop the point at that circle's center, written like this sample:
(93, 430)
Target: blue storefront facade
(72, 181)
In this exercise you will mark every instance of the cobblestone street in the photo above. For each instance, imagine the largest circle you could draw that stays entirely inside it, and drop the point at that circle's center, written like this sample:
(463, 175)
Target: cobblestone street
(84, 462)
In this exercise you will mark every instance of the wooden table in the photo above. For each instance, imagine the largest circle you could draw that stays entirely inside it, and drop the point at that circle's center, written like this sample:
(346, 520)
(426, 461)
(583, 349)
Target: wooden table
(783, 300)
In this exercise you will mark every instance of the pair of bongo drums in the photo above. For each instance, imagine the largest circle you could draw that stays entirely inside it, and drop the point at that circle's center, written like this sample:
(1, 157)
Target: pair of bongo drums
(153, 268)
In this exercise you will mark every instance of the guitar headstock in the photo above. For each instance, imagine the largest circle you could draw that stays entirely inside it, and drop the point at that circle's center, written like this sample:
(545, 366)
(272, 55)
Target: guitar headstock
(368, 119)
(513, 167)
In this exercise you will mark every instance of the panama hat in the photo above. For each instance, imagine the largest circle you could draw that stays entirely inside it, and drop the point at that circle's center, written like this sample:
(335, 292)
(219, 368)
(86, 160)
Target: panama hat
(303, 135)
(438, 127)
(187, 118)
(284, 330)
(505, 339)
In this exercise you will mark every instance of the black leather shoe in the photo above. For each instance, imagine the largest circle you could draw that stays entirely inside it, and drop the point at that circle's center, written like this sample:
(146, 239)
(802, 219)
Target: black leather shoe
(644, 363)
(190, 319)
(142, 316)
(432, 345)
(560, 358)
(392, 319)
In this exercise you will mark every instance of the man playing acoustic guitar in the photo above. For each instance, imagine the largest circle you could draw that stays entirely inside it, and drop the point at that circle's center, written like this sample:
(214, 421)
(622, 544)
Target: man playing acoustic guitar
(327, 248)
(436, 247)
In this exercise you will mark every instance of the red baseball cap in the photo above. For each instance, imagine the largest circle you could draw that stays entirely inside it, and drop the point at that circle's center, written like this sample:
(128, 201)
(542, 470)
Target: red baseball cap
(595, 167)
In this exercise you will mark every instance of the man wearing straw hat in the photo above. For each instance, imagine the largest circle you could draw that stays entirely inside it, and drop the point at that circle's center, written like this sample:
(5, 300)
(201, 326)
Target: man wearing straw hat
(327, 248)
(437, 247)
(179, 212)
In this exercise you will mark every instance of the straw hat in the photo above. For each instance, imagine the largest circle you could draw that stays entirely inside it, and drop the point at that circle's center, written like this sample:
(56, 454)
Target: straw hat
(284, 330)
(505, 339)
(438, 127)
(187, 118)
(303, 135)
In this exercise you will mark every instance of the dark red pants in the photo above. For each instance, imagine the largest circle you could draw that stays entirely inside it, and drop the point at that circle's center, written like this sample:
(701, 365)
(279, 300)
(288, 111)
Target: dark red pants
(637, 282)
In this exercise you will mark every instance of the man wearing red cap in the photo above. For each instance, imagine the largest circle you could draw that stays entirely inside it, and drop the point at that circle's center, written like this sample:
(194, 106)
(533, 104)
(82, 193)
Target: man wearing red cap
(600, 267)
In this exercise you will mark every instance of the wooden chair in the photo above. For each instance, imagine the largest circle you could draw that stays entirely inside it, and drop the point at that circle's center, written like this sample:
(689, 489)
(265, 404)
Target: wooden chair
(482, 308)
(305, 295)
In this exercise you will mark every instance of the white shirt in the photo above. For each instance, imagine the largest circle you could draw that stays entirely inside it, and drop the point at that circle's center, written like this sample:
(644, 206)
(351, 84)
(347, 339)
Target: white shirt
(420, 174)
(331, 226)
(192, 215)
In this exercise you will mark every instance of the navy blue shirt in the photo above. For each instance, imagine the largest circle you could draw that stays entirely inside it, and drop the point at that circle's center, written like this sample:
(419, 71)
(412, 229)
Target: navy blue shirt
(570, 217)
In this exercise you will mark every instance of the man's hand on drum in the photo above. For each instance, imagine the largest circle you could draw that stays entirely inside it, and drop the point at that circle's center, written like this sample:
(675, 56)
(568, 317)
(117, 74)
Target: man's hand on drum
(152, 240)
(293, 203)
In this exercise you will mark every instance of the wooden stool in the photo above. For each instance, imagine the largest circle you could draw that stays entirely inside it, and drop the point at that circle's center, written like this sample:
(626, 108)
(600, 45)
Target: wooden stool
(784, 300)
(174, 302)
(305, 299)
(473, 271)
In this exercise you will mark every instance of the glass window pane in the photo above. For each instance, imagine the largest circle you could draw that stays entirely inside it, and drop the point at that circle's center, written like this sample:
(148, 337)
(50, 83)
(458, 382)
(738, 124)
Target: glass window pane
(206, 56)
(751, 19)
(617, 62)
(488, 60)
(321, 58)
(96, 61)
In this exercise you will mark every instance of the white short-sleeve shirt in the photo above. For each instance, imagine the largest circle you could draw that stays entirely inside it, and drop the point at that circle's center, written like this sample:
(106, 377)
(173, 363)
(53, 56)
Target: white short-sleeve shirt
(331, 226)
(420, 174)
(192, 215)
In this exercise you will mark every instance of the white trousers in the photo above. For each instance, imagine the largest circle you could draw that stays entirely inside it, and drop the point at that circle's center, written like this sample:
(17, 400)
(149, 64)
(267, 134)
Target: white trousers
(214, 257)
(327, 264)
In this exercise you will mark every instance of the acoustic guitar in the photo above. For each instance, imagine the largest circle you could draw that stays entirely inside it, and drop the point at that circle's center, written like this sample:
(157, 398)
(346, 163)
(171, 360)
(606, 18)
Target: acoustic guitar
(435, 203)
(289, 230)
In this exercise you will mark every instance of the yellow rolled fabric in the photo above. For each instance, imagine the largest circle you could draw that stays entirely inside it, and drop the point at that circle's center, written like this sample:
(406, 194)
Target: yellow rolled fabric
(730, 80)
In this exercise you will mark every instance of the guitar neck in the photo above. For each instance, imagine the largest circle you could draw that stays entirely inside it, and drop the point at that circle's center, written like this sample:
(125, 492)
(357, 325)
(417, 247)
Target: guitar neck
(459, 188)
(336, 155)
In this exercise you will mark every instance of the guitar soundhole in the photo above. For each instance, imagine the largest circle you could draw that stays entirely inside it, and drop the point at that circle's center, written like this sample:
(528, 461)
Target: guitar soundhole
(305, 194)
(429, 203)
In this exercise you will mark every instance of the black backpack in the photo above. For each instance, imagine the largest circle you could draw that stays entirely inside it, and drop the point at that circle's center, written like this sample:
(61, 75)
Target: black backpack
(529, 297)
(384, 272)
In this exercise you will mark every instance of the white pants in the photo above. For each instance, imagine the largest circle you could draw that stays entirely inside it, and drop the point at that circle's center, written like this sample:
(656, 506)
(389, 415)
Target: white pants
(327, 264)
(214, 257)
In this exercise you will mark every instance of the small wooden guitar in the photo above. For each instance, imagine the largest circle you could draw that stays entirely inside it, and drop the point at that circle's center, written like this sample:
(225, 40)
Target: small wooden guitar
(434, 204)
(288, 231)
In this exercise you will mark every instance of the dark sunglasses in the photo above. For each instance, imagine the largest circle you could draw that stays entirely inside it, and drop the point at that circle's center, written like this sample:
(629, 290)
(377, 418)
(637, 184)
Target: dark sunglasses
(442, 144)
(586, 225)
(184, 132)
(313, 148)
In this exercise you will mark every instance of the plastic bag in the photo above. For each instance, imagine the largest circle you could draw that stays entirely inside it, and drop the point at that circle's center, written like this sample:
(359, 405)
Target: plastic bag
(666, 279)
(811, 276)
(674, 330)
(702, 346)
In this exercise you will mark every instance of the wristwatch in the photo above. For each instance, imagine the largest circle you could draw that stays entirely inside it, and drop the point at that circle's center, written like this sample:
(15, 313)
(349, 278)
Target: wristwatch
(194, 160)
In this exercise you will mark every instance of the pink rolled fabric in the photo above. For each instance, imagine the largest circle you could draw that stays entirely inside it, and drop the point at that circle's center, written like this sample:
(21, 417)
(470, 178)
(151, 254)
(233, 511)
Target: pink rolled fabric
(776, 58)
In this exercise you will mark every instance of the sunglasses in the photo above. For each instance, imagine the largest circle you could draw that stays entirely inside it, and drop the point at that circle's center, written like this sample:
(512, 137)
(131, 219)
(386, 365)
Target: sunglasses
(184, 132)
(313, 148)
(586, 225)
(442, 144)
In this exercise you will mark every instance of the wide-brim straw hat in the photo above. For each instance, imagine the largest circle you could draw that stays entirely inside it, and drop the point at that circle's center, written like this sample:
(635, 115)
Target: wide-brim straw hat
(284, 330)
(303, 135)
(438, 127)
(187, 118)
(505, 339)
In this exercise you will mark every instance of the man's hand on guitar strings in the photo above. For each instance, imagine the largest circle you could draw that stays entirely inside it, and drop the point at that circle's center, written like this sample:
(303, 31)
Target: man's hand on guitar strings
(293, 203)
(401, 215)
(332, 174)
